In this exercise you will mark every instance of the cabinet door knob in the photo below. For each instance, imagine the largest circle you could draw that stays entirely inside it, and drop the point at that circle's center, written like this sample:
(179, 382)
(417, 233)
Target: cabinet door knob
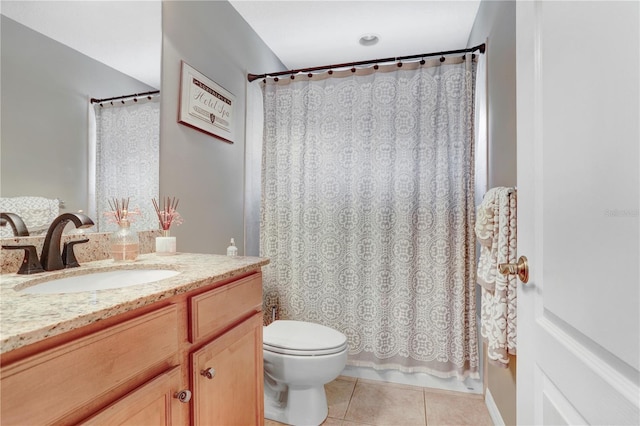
(183, 395)
(209, 373)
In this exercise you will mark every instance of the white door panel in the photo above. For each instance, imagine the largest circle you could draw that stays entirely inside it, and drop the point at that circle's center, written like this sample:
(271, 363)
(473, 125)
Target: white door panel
(595, 389)
(590, 155)
(556, 409)
(578, 96)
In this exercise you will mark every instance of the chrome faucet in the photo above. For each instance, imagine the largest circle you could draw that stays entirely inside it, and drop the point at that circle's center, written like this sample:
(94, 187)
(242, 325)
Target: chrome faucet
(51, 257)
(17, 224)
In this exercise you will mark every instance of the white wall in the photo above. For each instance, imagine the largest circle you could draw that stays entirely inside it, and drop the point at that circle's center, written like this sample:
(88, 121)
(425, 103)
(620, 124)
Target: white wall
(205, 173)
(495, 23)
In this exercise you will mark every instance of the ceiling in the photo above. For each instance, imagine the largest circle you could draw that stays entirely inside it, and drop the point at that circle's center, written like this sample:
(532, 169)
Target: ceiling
(310, 33)
(127, 35)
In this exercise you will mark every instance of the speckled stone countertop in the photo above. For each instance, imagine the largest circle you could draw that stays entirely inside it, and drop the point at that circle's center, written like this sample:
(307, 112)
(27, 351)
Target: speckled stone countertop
(29, 318)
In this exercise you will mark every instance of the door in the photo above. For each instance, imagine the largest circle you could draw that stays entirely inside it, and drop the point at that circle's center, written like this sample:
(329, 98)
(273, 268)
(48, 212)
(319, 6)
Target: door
(578, 216)
(228, 378)
(153, 403)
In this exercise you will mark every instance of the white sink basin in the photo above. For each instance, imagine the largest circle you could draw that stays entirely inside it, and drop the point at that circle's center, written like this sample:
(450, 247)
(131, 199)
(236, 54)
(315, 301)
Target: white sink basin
(100, 281)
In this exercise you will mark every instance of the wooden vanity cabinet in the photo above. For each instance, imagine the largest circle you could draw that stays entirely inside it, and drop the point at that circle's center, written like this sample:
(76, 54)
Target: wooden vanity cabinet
(207, 343)
(227, 372)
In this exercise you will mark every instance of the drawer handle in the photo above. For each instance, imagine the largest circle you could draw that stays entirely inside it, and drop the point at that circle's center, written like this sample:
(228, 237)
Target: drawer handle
(209, 373)
(183, 395)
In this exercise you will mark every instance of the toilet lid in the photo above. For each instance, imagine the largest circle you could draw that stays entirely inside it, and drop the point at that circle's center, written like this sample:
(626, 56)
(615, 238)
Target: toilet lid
(302, 338)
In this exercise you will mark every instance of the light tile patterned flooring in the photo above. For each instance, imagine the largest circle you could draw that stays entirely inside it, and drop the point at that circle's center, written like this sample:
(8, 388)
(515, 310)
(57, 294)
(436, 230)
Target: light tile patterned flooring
(355, 402)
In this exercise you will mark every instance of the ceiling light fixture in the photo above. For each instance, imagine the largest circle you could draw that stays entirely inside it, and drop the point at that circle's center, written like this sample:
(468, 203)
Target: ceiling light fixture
(369, 39)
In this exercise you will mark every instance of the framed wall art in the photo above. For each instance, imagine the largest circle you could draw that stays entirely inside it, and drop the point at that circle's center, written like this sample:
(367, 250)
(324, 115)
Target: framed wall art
(204, 105)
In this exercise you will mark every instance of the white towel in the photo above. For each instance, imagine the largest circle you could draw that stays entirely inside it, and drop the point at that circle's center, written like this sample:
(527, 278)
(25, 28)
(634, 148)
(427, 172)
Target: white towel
(495, 229)
(36, 212)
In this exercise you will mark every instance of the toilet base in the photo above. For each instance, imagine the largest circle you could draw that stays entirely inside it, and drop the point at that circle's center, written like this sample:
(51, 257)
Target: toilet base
(302, 407)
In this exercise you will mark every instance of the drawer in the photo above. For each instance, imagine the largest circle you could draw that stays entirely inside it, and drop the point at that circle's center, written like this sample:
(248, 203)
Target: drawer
(45, 387)
(216, 309)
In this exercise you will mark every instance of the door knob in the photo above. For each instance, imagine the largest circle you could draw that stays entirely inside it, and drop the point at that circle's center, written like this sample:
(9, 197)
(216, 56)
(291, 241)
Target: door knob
(521, 269)
(183, 395)
(209, 373)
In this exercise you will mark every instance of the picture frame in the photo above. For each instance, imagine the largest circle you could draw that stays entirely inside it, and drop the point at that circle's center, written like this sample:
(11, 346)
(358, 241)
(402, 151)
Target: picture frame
(205, 105)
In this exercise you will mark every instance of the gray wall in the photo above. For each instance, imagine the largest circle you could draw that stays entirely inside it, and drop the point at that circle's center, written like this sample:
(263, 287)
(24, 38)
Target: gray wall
(46, 87)
(205, 173)
(496, 21)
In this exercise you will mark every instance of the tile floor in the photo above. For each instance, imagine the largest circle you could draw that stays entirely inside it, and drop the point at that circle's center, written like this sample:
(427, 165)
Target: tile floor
(355, 402)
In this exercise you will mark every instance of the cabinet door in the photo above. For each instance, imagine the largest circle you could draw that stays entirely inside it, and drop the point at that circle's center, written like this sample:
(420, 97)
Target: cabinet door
(153, 403)
(227, 377)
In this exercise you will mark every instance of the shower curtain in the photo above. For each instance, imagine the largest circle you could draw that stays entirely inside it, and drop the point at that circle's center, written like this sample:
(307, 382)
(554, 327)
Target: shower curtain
(367, 211)
(126, 146)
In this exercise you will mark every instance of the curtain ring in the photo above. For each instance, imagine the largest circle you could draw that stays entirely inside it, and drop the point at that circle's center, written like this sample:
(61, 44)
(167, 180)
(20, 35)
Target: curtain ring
(399, 64)
(442, 59)
(276, 79)
(310, 75)
(293, 77)
(375, 67)
(330, 72)
(135, 99)
(422, 61)
(353, 69)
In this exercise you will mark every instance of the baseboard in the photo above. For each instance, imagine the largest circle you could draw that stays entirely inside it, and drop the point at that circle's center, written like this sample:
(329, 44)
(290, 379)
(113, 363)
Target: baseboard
(493, 409)
(473, 386)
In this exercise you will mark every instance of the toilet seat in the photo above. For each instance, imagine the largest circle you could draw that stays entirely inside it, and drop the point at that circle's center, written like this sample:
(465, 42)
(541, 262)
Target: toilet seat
(302, 338)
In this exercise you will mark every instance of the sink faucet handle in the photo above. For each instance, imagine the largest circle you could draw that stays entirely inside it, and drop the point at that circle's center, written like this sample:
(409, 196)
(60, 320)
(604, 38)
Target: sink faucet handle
(30, 263)
(68, 256)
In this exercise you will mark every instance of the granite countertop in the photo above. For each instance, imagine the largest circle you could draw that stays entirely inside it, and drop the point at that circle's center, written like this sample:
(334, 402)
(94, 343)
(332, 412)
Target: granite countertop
(29, 318)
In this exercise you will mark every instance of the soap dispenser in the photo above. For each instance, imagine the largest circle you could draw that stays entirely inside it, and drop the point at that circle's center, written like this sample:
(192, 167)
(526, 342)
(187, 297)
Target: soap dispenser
(232, 250)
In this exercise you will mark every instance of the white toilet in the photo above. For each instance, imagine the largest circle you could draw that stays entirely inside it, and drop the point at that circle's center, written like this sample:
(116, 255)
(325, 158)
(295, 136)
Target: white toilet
(299, 358)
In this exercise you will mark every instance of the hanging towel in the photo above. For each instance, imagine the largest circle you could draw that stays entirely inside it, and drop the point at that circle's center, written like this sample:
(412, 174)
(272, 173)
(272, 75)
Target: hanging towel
(36, 212)
(496, 232)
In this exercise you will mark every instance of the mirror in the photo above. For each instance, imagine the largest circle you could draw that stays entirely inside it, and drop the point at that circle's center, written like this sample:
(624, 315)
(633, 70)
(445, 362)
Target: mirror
(56, 56)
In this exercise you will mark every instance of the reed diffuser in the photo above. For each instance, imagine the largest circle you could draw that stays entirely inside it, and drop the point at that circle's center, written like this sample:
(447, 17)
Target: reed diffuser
(167, 216)
(124, 243)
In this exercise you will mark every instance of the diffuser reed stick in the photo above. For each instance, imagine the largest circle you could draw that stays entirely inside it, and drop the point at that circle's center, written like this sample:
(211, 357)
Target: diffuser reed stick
(167, 215)
(120, 210)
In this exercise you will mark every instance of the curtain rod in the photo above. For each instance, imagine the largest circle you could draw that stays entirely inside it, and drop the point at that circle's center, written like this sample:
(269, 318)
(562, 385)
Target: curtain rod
(135, 95)
(252, 77)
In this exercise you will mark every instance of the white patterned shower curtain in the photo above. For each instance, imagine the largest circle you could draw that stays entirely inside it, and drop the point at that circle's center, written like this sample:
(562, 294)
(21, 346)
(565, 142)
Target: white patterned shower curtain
(368, 210)
(127, 160)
